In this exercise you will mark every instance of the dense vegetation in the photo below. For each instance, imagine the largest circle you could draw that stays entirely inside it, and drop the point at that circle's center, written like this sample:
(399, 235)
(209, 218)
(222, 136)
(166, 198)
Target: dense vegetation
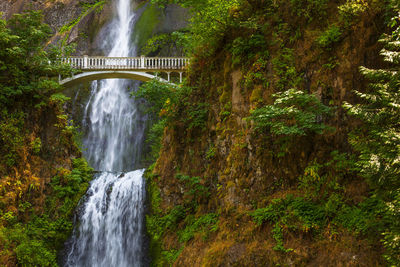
(42, 177)
(337, 153)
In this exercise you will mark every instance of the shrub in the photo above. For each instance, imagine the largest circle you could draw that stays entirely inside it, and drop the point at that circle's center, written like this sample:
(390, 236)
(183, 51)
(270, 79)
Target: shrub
(194, 189)
(310, 9)
(285, 69)
(290, 213)
(378, 140)
(351, 10)
(205, 224)
(293, 113)
(329, 37)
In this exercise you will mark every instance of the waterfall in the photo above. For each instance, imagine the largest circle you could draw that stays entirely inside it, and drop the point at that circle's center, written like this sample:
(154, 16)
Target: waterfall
(110, 228)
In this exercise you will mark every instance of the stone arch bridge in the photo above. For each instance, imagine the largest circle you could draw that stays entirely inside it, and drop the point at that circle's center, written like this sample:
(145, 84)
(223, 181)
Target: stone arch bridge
(135, 68)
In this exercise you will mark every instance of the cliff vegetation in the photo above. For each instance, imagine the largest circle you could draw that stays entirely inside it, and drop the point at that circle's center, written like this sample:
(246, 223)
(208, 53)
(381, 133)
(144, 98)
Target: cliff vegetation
(42, 174)
(281, 147)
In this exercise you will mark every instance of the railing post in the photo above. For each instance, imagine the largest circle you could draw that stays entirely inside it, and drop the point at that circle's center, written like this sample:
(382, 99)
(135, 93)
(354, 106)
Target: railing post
(142, 65)
(85, 61)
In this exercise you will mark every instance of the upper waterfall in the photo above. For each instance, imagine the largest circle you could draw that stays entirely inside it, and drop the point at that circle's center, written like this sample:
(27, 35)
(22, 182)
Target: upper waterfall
(115, 130)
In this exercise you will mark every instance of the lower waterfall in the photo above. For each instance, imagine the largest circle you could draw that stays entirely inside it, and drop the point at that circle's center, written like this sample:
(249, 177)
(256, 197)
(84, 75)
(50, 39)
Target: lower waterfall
(111, 222)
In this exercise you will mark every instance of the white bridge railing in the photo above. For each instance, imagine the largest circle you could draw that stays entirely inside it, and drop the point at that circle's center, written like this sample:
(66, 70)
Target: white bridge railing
(167, 64)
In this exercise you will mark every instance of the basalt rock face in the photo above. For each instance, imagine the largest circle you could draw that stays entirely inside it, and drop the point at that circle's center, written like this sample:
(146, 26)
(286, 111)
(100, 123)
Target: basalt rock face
(85, 17)
(241, 168)
(88, 18)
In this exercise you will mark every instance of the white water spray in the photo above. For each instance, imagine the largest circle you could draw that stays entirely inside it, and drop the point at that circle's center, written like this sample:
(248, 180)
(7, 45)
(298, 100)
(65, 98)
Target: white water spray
(110, 224)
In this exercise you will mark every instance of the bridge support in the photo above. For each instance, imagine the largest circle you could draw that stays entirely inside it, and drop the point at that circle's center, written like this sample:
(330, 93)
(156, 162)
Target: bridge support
(169, 76)
(180, 77)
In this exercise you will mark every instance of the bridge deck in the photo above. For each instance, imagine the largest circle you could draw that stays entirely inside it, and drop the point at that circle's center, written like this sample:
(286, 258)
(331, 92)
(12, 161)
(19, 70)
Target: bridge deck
(153, 64)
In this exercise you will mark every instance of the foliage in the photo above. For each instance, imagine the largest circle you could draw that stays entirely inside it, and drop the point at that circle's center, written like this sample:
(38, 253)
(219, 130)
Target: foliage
(245, 49)
(378, 141)
(290, 213)
(204, 224)
(257, 74)
(195, 190)
(209, 20)
(154, 138)
(11, 136)
(285, 70)
(168, 105)
(87, 8)
(293, 113)
(156, 93)
(169, 41)
(351, 10)
(36, 145)
(391, 234)
(197, 115)
(329, 37)
(321, 180)
(309, 9)
(156, 226)
(31, 253)
(172, 103)
(24, 64)
(298, 213)
(210, 152)
(361, 219)
(179, 220)
(170, 256)
(36, 241)
(35, 217)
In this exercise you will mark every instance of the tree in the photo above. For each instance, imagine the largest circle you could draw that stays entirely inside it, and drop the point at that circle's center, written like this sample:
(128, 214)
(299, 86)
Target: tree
(378, 142)
(25, 66)
(209, 20)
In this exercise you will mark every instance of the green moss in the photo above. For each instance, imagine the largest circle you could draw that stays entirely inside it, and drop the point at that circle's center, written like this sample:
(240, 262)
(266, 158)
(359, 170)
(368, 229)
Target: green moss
(256, 95)
(144, 28)
(87, 9)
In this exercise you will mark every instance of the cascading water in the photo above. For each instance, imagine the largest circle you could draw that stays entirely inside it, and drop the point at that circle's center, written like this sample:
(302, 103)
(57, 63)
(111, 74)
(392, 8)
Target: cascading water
(111, 218)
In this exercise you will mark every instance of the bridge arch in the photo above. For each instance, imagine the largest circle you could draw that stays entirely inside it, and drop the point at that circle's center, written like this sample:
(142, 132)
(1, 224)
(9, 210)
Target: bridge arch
(100, 75)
